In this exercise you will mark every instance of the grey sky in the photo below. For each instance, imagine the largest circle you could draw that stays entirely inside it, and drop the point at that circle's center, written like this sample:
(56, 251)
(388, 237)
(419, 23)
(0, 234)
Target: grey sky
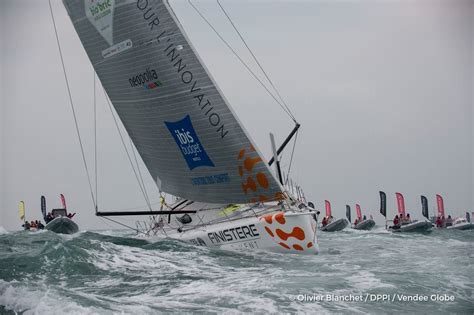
(383, 90)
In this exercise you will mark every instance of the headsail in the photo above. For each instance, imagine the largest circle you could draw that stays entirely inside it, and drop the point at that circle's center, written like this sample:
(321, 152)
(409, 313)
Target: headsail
(400, 203)
(424, 207)
(328, 208)
(348, 212)
(21, 210)
(359, 212)
(178, 119)
(383, 203)
(440, 202)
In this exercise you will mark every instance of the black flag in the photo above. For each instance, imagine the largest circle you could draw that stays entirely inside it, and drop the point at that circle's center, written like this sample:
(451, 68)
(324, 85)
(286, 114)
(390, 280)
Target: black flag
(424, 207)
(43, 206)
(383, 203)
(468, 217)
(348, 212)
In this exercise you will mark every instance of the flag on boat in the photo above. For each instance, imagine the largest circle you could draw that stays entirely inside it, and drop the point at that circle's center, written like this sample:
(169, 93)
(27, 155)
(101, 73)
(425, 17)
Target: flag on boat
(328, 208)
(63, 201)
(400, 203)
(348, 212)
(383, 203)
(359, 212)
(21, 209)
(43, 206)
(190, 139)
(424, 207)
(468, 217)
(440, 202)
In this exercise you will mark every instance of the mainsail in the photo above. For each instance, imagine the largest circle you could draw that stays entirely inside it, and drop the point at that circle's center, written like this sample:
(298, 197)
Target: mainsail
(180, 122)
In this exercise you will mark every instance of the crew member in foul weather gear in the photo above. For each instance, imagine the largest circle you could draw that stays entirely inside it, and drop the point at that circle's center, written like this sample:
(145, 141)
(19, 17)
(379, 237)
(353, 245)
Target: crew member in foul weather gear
(439, 222)
(396, 222)
(325, 221)
(407, 219)
(449, 221)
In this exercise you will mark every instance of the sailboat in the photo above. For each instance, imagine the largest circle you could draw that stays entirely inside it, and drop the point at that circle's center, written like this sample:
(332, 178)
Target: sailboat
(333, 225)
(188, 136)
(361, 224)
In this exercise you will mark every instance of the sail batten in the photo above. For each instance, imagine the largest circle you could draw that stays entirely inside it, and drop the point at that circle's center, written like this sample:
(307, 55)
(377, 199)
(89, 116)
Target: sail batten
(178, 119)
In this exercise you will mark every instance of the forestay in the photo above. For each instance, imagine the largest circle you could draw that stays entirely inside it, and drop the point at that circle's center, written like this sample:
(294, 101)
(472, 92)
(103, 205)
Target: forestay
(181, 124)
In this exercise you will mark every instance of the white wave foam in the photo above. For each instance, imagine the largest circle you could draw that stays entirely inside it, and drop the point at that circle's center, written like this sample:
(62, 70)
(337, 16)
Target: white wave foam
(3, 231)
(16, 297)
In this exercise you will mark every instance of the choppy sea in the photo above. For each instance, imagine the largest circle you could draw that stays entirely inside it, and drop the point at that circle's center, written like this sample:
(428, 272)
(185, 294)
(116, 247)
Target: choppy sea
(110, 272)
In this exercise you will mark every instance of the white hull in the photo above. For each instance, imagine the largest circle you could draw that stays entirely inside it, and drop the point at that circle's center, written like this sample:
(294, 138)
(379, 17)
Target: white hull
(282, 232)
(461, 226)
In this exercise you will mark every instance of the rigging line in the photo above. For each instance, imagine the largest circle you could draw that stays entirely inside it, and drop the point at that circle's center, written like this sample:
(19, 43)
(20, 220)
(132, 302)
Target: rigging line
(95, 145)
(126, 150)
(72, 105)
(291, 158)
(255, 58)
(124, 225)
(139, 171)
(241, 60)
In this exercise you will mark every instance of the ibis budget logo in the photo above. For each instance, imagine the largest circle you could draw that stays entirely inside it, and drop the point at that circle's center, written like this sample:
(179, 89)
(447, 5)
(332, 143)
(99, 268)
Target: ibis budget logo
(188, 142)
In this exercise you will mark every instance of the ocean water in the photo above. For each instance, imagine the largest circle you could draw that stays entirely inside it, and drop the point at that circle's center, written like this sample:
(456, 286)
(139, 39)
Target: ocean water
(109, 272)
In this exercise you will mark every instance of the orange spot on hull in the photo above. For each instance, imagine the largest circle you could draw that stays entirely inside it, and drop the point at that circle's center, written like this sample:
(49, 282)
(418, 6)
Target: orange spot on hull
(269, 231)
(241, 171)
(263, 198)
(297, 247)
(310, 244)
(297, 233)
(241, 153)
(280, 218)
(268, 218)
(284, 245)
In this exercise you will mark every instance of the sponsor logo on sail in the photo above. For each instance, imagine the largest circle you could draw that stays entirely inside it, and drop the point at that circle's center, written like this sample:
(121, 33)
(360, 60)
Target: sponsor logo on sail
(188, 142)
(100, 14)
(148, 79)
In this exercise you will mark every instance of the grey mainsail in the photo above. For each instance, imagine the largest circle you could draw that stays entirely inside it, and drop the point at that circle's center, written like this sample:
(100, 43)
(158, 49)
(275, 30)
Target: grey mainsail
(178, 119)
